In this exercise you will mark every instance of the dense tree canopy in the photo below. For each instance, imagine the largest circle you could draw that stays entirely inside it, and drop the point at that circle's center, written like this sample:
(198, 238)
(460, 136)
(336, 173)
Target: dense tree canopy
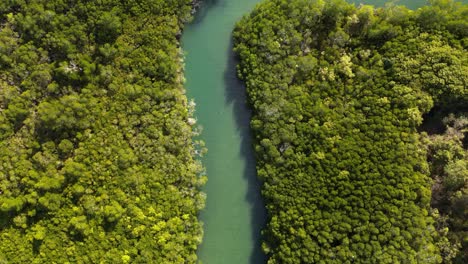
(338, 93)
(96, 155)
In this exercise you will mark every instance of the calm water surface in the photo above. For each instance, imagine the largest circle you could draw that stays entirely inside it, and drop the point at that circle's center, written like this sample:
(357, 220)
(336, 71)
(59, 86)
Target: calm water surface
(234, 213)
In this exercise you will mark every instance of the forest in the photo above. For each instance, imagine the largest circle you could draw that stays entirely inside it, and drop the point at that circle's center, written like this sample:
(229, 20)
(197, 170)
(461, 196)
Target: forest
(97, 161)
(360, 121)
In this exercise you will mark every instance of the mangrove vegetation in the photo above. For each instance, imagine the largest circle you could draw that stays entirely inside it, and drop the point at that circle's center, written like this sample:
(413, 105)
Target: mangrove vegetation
(97, 162)
(339, 92)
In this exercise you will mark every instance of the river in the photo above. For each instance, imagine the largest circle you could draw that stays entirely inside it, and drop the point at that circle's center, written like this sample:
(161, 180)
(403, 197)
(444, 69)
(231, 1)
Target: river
(234, 212)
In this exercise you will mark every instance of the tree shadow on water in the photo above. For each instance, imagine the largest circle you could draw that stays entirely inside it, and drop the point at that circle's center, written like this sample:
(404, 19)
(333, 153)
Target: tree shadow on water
(236, 95)
(202, 9)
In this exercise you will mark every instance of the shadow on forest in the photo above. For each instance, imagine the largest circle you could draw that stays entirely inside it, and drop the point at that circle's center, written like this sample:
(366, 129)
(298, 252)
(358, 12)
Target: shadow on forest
(236, 95)
(433, 120)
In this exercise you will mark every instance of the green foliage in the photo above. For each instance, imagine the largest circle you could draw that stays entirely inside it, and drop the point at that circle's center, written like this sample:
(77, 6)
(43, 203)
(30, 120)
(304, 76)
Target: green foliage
(97, 163)
(338, 92)
(449, 169)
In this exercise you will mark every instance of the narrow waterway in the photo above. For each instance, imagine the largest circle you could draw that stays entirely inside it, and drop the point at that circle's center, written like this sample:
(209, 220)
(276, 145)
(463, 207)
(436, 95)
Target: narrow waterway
(234, 214)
